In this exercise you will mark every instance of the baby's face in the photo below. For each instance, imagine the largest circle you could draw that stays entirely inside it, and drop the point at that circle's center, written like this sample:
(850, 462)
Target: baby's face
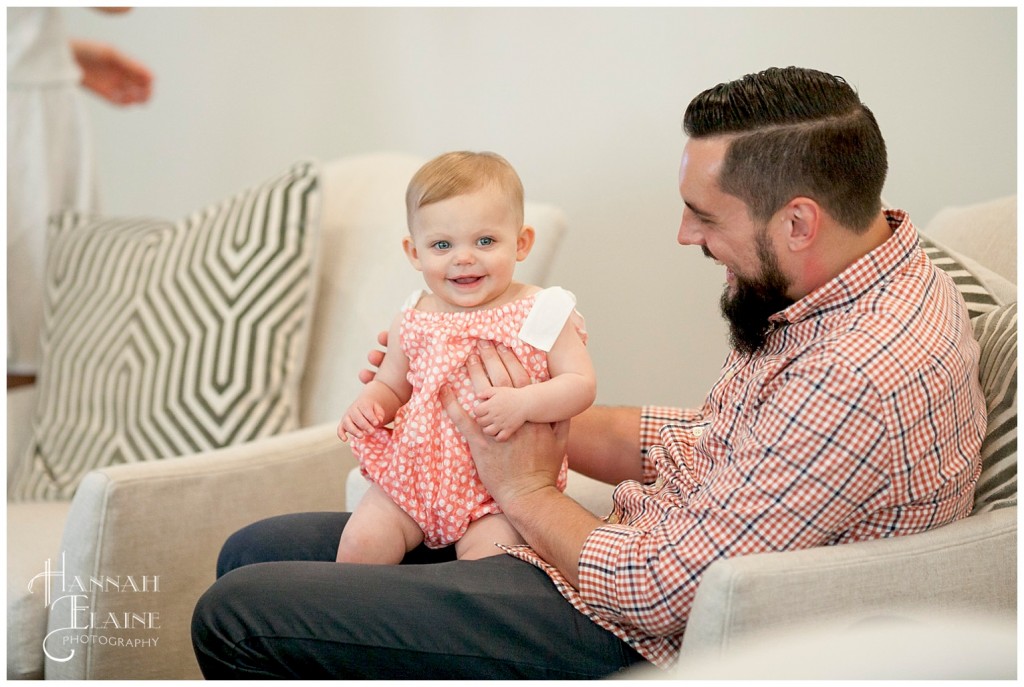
(467, 247)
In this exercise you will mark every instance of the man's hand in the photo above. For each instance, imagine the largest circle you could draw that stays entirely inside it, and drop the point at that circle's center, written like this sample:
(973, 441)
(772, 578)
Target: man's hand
(603, 444)
(522, 473)
(501, 412)
(375, 357)
(528, 462)
(531, 458)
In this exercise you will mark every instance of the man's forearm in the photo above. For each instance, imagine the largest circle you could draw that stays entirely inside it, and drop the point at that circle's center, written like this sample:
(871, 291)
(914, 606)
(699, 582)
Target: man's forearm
(604, 443)
(554, 525)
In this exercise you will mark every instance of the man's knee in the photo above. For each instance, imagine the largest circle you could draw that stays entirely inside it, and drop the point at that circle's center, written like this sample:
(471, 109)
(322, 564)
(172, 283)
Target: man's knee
(223, 619)
(248, 545)
(210, 638)
(233, 551)
(291, 537)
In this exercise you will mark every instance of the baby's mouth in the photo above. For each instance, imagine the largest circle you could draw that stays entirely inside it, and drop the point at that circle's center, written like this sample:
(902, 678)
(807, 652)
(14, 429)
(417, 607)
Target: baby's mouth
(466, 281)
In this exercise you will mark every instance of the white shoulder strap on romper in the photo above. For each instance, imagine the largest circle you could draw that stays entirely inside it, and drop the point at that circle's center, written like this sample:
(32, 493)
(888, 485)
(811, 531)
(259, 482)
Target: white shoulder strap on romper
(412, 300)
(551, 309)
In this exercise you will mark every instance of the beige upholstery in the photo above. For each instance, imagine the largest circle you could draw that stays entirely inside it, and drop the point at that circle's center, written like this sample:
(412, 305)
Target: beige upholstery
(958, 568)
(889, 644)
(33, 536)
(170, 519)
(978, 232)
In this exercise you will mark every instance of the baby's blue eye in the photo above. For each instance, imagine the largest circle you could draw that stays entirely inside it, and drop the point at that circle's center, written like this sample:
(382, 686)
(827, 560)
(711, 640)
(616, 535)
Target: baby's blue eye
(485, 241)
(442, 245)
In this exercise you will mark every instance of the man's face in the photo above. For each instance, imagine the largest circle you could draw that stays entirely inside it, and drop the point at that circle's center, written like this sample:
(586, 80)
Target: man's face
(720, 224)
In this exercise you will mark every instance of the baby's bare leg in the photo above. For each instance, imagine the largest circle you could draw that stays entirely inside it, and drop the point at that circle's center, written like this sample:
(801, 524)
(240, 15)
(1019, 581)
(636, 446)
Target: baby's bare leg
(479, 540)
(378, 531)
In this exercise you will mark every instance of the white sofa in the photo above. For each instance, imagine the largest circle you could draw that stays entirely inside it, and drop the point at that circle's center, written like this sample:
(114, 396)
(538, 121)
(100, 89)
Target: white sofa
(170, 517)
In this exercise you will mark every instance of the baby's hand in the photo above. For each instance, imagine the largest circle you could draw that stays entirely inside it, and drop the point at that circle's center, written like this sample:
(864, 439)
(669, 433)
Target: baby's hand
(363, 417)
(500, 413)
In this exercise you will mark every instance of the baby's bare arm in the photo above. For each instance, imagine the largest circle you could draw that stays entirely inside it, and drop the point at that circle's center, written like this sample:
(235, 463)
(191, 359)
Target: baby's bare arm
(384, 395)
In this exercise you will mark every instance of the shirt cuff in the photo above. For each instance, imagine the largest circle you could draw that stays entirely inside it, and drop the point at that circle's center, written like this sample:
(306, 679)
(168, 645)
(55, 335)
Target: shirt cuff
(599, 584)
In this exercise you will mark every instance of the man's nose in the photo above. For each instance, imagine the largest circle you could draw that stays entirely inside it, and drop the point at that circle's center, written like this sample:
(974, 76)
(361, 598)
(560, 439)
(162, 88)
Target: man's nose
(689, 234)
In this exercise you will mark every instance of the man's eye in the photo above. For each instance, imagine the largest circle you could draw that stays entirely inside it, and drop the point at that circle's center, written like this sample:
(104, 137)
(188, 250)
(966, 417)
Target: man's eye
(442, 245)
(485, 241)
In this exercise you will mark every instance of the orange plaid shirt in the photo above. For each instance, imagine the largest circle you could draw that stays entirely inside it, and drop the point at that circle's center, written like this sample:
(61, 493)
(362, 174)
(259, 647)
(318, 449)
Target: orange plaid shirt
(862, 417)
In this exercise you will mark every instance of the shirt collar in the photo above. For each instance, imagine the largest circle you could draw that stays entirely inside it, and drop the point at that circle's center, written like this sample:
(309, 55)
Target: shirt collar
(860, 276)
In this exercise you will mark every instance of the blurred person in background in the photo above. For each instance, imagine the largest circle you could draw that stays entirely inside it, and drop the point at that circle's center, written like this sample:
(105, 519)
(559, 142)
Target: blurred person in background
(50, 165)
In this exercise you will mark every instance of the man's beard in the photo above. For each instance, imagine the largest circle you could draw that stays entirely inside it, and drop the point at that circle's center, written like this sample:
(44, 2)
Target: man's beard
(748, 309)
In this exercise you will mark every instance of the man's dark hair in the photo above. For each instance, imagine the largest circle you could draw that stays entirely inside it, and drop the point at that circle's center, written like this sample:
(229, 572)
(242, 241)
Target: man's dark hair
(798, 132)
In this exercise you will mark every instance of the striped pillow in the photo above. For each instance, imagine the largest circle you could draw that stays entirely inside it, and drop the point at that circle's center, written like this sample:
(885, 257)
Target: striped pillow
(995, 328)
(978, 298)
(996, 332)
(164, 338)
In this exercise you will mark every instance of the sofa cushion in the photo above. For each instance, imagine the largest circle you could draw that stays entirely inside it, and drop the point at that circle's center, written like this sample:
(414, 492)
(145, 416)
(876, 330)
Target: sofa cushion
(983, 233)
(168, 338)
(996, 332)
(33, 538)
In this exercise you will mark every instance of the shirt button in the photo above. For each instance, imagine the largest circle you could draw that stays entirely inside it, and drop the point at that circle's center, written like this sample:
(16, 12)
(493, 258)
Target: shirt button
(698, 431)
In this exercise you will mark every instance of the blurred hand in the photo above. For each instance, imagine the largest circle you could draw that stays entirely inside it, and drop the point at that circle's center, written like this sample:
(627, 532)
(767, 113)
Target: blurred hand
(112, 75)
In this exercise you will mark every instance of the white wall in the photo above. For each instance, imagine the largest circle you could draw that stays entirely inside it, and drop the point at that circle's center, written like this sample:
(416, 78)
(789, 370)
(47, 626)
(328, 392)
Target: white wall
(585, 102)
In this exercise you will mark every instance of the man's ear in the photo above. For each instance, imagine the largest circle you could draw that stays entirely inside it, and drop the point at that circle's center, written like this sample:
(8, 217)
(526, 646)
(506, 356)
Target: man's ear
(524, 243)
(803, 217)
(409, 246)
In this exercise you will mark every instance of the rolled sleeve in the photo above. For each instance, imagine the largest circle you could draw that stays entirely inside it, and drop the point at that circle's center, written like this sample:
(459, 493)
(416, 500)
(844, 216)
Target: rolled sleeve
(652, 420)
(599, 561)
(616, 583)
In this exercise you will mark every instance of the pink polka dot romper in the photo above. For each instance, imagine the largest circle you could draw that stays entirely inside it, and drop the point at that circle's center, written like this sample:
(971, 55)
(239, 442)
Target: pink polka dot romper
(424, 464)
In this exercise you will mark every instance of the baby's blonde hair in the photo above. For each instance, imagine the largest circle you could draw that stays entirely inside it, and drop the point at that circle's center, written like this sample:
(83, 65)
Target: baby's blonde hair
(453, 174)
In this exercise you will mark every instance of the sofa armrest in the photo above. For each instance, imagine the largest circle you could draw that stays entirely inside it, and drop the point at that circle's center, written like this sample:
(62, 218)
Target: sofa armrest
(168, 519)
(970, 565)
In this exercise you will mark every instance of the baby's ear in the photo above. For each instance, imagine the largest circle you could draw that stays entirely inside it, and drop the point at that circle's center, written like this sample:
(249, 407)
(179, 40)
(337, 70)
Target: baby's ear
(409, 246)
(524, 243)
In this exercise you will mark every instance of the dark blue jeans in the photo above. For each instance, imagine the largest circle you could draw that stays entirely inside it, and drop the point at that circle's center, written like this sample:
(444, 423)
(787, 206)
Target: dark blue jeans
(282, 608)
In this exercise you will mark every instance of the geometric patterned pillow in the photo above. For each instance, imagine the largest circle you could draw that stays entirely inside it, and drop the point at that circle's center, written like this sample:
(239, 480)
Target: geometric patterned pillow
(976, 296)
(163, 339)
(996, 332)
